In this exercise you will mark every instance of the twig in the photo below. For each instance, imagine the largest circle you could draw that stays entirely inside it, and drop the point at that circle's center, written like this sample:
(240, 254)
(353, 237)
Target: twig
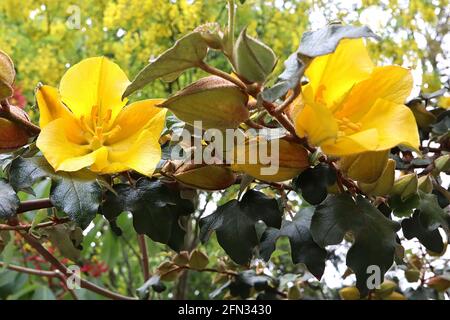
(280, 109)
(206, 67)
(42, 273)
(62, 268)
(5, 112)
(144, 257)
(32, 205)
(6, 227)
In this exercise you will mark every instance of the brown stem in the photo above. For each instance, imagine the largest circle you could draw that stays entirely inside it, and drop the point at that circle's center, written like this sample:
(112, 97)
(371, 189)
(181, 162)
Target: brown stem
(62, 268)
(5, 112)
(6, 227)
(32, 205)
(206, 67)
(144, 257)
(280, 109)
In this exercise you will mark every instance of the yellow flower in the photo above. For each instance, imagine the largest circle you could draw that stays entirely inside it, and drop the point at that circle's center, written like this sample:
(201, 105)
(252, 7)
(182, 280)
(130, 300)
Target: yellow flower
(351, 106)
(444, 102)
(86, 123)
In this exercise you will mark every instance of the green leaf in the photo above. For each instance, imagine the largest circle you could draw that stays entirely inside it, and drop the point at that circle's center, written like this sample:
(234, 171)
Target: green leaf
(375, 235)
(313, 183)
(325, 40)
(431, 215)
(78, 194)
(253, 60)
(9, 202)
(404, 208)
(24, 172)
(187, 52)
(412, 228)
(67, 238)
(156, 210)
(43, 293)
(303, 248)
(234, 223)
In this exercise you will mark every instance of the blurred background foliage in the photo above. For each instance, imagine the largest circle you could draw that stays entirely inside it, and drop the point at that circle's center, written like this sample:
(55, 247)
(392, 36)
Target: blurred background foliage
(131, 32)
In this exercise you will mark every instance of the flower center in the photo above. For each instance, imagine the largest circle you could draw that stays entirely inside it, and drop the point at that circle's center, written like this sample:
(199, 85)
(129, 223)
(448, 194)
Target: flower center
(346, 126)
(97, 129)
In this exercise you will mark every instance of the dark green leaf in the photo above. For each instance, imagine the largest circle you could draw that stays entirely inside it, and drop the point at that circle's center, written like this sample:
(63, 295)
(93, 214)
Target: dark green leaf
(24, 172)
(78, 194)
(412, 228)
(156, 210)
(375, 235)
(325, 40)
(431, 214)
(313, 183)
(303, 248)
(9, 202)
(404, 208)
(234, 223)
(187, 52)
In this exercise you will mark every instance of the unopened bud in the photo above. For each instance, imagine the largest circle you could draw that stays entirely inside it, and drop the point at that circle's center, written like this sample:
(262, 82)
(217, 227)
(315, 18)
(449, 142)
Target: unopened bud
(216, 102)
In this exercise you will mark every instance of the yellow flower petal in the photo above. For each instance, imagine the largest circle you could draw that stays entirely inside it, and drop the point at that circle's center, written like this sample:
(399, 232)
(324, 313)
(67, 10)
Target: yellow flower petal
(50, 105)
(94, 82)
(365, 167)
(317, 122)
(138, 116)
(395, 124)
(332, 75)
(140, 152)
(56, 143)
(392, 83)
(355, 143)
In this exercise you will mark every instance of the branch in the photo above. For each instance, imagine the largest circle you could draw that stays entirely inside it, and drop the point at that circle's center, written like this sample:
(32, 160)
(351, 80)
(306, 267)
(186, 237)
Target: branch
(5, 112)
(62, 268)
(144, 258)
(6, 227)
(42, 273)
(206, 67)
(32, 205)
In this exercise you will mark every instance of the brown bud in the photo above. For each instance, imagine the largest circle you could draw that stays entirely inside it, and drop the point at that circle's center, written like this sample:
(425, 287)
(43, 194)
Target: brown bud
(439, 283)
(13, 136)
(216, 102)
(349, 293)
(7, 75)
(291, 160)
(205, 177)
(198, 260)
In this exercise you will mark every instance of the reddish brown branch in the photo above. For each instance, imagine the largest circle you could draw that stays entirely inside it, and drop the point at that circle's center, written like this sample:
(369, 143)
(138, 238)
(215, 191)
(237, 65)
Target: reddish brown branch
(144, 257)
(32, 205)
(26, 227)
(62, 268)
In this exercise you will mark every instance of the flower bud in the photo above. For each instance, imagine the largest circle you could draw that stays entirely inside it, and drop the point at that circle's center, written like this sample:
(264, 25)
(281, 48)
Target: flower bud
(7, 75)
(205, 177)
(287, 161)
(212, 35)
(386, 289)
(253, 60)
(406, 186)
(198, 260)
(442, 164)
(425, 184)
(364, 167)
(13, 136)
(384, 183)
(439, 283)
(412, 275)
(349, 293)
(216, 102)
